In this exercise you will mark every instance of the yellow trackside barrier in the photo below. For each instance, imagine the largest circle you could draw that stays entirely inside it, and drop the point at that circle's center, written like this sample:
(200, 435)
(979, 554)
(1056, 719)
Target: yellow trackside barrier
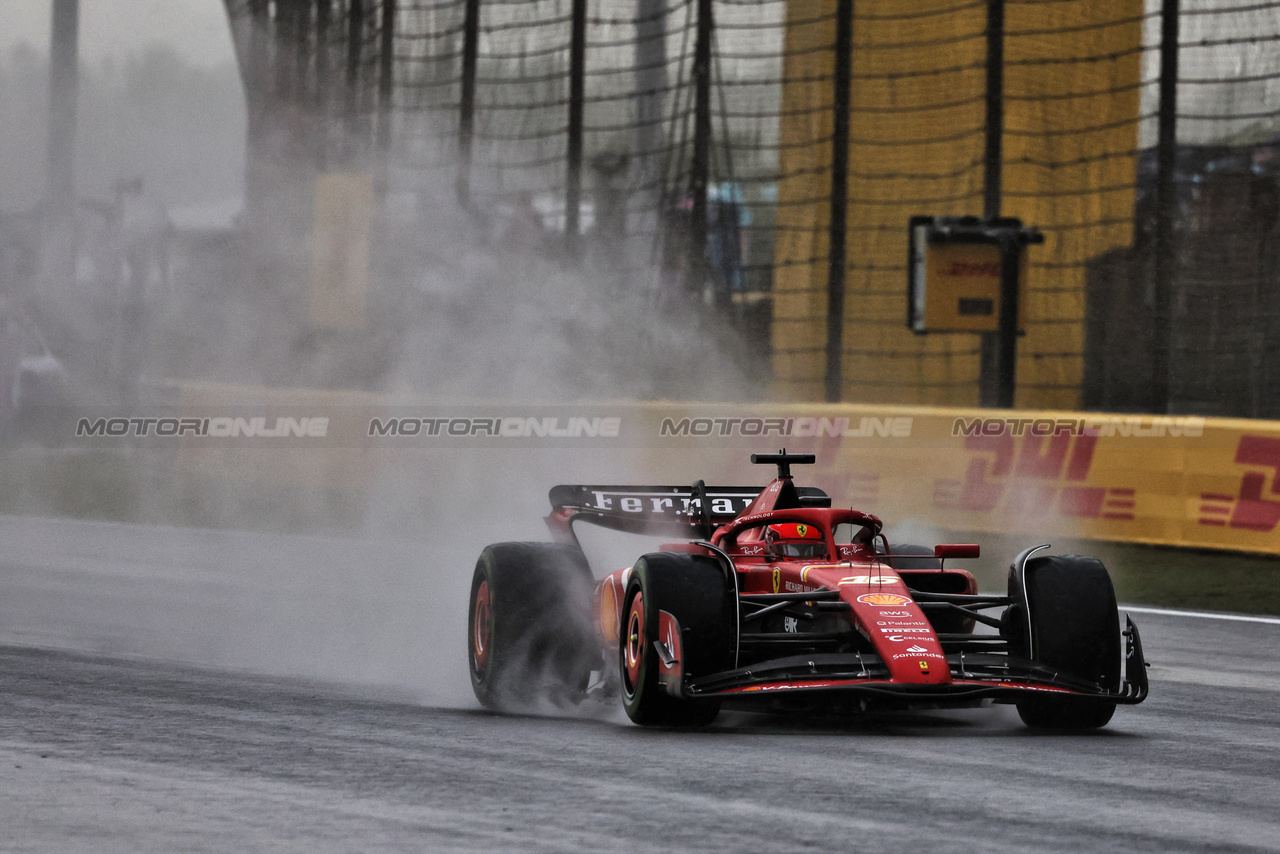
(1177, 481)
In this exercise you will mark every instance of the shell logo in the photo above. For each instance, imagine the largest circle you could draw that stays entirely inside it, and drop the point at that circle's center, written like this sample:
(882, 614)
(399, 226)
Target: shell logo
(884, 599)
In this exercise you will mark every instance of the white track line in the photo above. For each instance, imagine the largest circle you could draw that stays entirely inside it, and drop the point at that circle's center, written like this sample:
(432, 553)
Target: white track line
(1203, 615)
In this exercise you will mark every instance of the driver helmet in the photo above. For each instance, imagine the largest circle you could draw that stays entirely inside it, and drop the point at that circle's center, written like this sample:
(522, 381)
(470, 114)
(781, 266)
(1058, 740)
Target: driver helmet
(795, 540)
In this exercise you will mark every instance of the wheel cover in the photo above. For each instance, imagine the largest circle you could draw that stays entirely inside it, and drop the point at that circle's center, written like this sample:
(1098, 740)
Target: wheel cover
(634, 643)
(482, 629)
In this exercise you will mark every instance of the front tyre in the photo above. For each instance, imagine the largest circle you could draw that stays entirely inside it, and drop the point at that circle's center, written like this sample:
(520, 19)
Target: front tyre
(1074, 627)
(530, 637)
(694, 592)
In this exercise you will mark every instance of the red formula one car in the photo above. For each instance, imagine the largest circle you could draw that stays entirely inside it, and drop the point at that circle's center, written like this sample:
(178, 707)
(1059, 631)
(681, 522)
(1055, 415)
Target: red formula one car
(780, 599)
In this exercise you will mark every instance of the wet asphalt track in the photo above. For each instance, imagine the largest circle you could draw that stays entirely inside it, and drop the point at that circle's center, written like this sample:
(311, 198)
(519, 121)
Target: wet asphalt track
(119, 732)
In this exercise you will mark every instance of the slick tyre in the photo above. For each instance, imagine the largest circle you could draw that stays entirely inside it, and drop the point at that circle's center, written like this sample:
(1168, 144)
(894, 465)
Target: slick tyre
(530, 637)
(1075, 628)
(693, 589)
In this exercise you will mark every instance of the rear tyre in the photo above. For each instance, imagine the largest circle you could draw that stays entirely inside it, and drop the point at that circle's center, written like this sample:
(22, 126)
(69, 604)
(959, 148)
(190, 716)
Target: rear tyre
(530, 638)
(694, 590)
(1075, 627)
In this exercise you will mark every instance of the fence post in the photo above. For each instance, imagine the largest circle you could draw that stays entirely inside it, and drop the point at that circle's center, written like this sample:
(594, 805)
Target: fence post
(651, 61)
(577, 95)
(700, 164)
(991, 351)
(838, 221)
(386, 70)
(324, 20)
(355, 44)
(60, 179)
(302, 52)
(1166, 207)
(467, 100)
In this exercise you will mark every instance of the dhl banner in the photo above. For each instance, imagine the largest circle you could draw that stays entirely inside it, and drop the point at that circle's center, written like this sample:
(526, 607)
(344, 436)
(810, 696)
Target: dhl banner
(1184, 481)
(1168, 480)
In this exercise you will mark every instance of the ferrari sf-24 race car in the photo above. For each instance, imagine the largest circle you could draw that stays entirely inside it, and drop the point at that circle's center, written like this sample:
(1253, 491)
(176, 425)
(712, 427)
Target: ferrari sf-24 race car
(779, 599)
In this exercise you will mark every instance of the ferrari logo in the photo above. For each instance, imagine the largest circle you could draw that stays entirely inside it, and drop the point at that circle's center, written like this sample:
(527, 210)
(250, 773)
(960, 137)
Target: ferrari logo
(924, 666)
(802, 530)
(777, 580)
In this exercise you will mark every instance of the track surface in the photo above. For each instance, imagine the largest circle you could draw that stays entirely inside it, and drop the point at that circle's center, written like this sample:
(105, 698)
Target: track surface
(105, 748)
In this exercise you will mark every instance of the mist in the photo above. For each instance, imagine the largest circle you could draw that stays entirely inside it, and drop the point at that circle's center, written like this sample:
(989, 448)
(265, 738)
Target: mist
(339, 563)
(332, 563)
(178, 125)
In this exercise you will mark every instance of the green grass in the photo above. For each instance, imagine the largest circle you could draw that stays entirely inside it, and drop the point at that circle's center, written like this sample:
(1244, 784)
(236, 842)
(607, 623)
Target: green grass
(1195, 579)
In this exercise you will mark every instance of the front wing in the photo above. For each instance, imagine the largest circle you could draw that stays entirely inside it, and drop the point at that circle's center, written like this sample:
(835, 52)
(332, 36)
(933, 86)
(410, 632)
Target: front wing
(975, 676)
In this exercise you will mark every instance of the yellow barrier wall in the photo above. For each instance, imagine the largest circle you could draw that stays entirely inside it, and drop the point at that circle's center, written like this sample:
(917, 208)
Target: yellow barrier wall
(1210, 483)
(918, 121)
(1206, 483)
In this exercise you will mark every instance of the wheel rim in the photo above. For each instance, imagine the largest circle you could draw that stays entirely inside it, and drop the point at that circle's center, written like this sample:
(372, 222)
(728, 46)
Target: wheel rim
(633, 647)
(482, 630)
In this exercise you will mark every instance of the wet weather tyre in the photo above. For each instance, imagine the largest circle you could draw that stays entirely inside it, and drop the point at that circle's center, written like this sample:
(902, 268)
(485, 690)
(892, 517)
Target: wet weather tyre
(696, 592)
(1075, 628)
(530, 636)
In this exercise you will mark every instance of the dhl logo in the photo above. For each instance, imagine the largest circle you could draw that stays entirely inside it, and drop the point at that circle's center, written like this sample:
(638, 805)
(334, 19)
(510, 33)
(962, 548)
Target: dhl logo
(1033, 475)
(1249, 509)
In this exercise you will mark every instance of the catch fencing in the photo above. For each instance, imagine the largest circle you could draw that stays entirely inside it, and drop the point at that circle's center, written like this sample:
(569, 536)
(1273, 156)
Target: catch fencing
(757, 161)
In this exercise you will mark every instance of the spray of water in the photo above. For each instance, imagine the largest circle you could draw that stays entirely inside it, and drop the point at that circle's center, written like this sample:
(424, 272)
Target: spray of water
(335, 564)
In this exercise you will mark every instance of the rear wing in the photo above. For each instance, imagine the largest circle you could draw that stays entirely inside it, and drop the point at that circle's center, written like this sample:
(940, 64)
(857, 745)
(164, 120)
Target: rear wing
(659, 509)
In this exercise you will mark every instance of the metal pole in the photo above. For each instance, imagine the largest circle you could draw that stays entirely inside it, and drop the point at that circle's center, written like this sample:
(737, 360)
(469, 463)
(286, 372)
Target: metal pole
(700, 166)
(259, 91)
(355, 44)
(467, 101)
(302, 57)
(838, 233)
(60, 181)
(290, 55)
(651, 78)
(991, 371)
(386, 72)
(649, 204)
(1007, 376)
(1166, 206)
(577, 96)
(324, 19)
(993, 155)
